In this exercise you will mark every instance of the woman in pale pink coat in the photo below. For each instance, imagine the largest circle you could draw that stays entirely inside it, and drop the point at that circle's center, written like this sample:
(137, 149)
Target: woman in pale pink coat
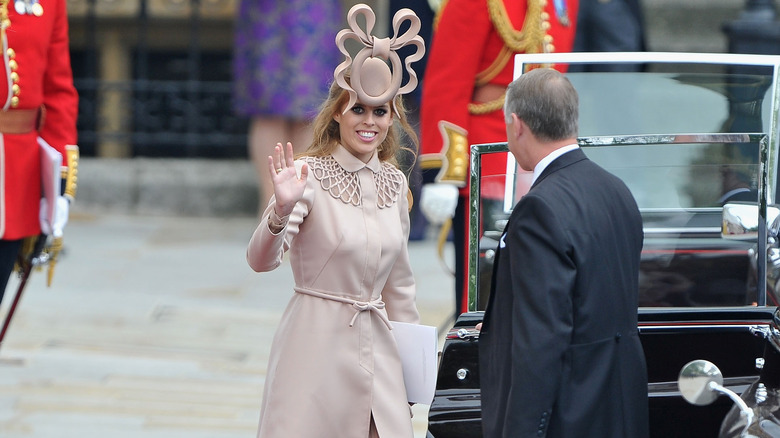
(341, 211)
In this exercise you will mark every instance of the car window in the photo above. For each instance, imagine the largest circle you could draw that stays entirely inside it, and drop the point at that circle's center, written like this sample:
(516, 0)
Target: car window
(663, 131)
(655, 102)
(682, 176)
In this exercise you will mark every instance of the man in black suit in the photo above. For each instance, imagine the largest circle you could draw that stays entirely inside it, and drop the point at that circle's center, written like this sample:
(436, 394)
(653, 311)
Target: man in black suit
(609, 26)
(559, 350)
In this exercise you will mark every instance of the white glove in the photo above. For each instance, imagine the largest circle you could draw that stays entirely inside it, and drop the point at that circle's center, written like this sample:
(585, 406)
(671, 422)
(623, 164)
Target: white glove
(438, 202)
(61, 208)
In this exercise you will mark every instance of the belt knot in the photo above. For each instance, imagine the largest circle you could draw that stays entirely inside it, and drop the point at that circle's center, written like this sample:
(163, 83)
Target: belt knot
(360, 306)
(372, 306)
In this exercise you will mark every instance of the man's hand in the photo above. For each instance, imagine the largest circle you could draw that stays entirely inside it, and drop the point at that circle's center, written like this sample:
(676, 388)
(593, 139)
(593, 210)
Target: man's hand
(438, 202)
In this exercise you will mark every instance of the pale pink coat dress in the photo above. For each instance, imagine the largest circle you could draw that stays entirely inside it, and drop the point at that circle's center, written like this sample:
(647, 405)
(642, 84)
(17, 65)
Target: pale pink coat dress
(334, 361)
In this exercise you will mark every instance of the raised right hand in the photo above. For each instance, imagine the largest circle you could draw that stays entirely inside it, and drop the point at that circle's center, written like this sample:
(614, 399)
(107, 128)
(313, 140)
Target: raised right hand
(288, 187)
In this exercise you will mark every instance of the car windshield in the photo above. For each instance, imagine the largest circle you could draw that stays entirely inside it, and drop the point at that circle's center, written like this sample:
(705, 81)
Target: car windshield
(686, 138)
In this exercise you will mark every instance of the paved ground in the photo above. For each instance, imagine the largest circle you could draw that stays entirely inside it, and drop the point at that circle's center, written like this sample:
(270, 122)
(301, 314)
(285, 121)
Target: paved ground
(156, 328)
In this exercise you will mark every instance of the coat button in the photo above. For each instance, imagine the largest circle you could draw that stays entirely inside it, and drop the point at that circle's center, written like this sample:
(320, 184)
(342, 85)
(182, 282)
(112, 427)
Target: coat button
(617, 337)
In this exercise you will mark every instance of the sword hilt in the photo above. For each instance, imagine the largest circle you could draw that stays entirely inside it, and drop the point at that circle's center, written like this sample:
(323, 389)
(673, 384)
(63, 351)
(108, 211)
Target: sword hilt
(54, 252)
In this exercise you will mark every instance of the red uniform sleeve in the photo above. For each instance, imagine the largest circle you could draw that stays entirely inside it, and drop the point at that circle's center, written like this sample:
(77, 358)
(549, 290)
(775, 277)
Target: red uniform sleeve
(453, 63)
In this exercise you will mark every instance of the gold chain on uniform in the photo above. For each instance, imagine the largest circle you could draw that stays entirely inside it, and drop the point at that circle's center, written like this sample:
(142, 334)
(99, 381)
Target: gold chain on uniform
(531, 38)
(486, 107)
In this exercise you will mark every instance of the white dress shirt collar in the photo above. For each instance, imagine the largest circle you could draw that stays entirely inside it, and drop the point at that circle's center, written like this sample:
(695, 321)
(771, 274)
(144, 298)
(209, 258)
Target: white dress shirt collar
(550, 158)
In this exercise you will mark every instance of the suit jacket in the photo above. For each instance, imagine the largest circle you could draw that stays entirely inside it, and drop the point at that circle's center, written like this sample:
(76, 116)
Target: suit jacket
(609, 26)
(560, 354)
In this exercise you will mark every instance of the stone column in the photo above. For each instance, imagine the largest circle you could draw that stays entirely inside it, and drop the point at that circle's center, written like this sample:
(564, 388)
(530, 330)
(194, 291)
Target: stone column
(114, 102)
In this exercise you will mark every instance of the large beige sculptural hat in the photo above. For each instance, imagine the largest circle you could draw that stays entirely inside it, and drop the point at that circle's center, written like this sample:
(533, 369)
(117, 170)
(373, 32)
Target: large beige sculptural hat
(371, 78)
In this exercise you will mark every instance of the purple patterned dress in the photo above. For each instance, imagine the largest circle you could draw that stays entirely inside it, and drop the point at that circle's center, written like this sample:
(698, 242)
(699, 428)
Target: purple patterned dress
(284, 57)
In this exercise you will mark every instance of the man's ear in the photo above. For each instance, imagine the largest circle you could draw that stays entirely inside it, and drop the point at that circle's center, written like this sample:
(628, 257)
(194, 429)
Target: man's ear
(517, 125)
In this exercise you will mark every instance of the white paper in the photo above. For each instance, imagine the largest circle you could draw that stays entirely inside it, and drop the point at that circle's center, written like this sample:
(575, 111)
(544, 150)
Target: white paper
(51, 163)
(418, 348)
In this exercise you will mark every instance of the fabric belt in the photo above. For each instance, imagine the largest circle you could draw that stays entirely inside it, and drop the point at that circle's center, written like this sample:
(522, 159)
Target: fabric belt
(19, 121)
(360, 306)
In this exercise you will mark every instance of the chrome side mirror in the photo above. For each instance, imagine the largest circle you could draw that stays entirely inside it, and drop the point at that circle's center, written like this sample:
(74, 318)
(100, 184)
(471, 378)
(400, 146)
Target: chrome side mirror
(740, 221)
(695, 379)
(701, 382)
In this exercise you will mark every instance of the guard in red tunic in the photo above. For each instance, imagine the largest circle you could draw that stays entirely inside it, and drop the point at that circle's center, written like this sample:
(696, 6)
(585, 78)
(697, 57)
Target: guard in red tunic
(38, 110)
(470, 63)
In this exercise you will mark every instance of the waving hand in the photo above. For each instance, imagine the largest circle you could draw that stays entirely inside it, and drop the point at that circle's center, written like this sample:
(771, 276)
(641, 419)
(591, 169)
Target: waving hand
(288, 187)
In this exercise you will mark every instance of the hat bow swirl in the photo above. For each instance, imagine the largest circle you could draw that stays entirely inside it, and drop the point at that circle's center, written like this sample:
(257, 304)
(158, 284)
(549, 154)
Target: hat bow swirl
(372, 82)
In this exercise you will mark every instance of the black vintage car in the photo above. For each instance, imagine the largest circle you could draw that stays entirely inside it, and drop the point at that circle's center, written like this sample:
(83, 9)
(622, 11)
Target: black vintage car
(695, 137)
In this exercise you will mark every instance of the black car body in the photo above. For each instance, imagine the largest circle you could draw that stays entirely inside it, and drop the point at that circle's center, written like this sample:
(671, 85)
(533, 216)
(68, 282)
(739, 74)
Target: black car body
(679, 131)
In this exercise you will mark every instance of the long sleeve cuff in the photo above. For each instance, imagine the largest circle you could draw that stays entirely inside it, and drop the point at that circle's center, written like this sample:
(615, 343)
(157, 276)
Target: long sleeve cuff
(277, 223)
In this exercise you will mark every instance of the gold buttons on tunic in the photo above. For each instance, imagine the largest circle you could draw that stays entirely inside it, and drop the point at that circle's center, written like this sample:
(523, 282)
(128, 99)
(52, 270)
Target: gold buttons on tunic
(548, 44)
(14, 77)
(459, 163)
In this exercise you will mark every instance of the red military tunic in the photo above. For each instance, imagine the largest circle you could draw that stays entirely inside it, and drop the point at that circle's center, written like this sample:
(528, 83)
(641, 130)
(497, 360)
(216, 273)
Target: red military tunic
(474, 44)
(471, 61)
(37, 74)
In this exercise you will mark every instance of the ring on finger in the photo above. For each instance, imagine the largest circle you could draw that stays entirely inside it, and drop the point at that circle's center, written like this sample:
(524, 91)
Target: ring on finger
(279, 170)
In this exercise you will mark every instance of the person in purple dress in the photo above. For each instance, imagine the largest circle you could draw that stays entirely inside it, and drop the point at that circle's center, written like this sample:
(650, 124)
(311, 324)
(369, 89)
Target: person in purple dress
(282, 65)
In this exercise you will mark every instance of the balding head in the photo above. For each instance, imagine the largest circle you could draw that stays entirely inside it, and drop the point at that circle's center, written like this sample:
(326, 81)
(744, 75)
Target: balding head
(547, 102)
